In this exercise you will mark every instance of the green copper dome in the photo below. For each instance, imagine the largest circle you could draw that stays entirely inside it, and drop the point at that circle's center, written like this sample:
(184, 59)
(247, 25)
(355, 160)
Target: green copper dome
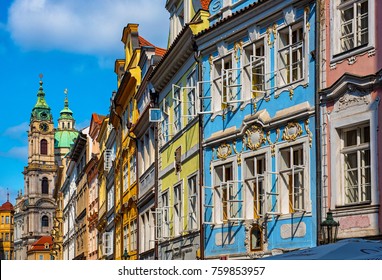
(41, 111)
(64, 138)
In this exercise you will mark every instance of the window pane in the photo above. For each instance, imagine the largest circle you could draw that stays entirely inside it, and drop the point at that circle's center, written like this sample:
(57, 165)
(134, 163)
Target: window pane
(365, 137)
(350, 161)
(351, 138)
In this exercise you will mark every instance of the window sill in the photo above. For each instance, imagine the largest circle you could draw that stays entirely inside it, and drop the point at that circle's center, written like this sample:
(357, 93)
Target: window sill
(358, 51)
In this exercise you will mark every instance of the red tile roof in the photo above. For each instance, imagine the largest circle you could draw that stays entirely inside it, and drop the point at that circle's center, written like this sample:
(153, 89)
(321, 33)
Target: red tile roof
(205, 4)
(143, 42)
(7, 206)
(98, 118)
(39, 245)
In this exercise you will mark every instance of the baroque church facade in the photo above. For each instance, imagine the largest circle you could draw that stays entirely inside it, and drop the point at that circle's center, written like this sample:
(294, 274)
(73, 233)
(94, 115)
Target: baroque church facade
(47, 145)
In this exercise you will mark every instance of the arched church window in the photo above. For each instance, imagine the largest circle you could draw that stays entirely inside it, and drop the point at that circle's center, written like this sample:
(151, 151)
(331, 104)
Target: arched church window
(44, 147)
(44, 221)
(45, 186)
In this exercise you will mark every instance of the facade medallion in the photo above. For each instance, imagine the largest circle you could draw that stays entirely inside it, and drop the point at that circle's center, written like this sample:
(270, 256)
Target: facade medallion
(254, 137)
(292, 131)
(224, 151)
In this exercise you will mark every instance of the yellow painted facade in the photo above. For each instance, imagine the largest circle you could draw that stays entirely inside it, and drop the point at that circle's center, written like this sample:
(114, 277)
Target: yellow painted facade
(6, 231)
(123, 117)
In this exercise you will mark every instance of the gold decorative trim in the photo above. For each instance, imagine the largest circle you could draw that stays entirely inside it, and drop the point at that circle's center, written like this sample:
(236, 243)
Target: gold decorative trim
(224, 151)
(254, 137)
(271, 29)
(237, 153)
(238, 46)
(291, 93)
(310, 134)
(273, 144)
(292, 131)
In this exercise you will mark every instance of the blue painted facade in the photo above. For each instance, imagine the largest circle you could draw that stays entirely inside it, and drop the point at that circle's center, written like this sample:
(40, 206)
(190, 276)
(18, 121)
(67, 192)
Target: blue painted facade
(257, 102)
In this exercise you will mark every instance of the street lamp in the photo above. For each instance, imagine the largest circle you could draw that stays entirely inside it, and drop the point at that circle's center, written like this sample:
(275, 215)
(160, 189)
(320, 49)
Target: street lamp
(125, 255)
(329, 229)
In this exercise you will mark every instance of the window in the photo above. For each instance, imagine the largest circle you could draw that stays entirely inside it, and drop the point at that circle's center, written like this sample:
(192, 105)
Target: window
(162, 219)
(7, 237)
(133, 235)
(192, 223)
(125, 178)
(40, 257)
(133, 168)
(255, 78)
(108, 242)
(110, 198)
(177, 101)
(146, 231)
(7, 219)
(125, 237)
(44, 147)
(44, 186)
(228, 194)
(292, 173)
(191, 95)
(354, 24)
(256, 238)
(177, 200)
(224, 82)
(165, 125)
(255, 168)
(291, 54)
(44, 221)
(356, 163)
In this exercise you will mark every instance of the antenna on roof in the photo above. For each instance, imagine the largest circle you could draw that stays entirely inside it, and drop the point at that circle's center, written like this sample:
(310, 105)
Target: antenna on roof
(7, 195)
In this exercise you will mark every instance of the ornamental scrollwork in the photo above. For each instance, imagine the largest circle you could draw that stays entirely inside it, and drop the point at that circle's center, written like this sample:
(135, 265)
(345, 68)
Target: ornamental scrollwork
(224, 151)
(254, 137)
(273, 144)
(292, 131)
(310, 134)
(238, 46)
(237, 153)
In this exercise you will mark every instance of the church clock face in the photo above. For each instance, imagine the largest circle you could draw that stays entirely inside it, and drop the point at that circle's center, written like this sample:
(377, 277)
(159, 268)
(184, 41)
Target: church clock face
(44, 127)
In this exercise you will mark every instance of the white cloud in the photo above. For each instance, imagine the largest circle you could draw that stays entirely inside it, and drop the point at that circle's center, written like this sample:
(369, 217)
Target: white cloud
(18, 131)
(88, 27)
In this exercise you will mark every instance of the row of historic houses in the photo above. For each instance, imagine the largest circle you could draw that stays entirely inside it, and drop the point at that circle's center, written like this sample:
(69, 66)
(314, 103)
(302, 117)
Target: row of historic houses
(259, 119)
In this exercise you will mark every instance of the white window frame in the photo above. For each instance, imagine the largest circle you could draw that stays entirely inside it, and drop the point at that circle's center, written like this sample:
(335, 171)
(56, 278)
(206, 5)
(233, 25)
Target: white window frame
(290, 48)
(125, 176)
(299, 204)
(177, 107)
(108, 159)
(107, 240)
(336, 24)
(162, 218)
(360, 168)
(177, 209)
(192, 217)
(190, 92)
(165, 134)
(133, 168)
(204, 97)
(254, 59)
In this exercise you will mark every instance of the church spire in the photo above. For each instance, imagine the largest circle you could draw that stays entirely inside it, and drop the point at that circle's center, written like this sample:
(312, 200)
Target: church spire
(41, 111)
(66, 120)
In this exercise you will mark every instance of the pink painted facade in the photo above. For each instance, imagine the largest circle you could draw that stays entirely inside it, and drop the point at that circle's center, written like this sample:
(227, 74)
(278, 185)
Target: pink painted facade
(350, 92)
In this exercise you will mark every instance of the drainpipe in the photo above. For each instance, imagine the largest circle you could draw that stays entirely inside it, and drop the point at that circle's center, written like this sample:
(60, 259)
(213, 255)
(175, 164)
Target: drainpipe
(318, 120)
(201, 169)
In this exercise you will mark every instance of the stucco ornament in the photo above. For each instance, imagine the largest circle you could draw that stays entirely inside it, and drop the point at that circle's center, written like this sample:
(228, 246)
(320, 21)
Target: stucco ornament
(254, 137)
(273, 144)
(224, 151)
(306, 124)
(352, 97)
(292, 131)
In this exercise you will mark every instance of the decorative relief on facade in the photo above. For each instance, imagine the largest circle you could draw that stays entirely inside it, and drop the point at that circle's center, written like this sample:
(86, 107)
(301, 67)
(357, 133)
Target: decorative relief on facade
(289, 15)
(237, 153)
(216, 5)
(292, 131)
(293, 230)
(238, 49)
(270, 30)
(273, 144)
(308, 132)
(333, 66)
(352, 60)
(254, 137)
(224, 151)
(307, 12)
(371, 53)
(291, 92)
(352, 98)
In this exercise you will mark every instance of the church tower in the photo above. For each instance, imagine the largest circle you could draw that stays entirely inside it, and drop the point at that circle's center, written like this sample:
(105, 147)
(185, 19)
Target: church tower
(35, 209)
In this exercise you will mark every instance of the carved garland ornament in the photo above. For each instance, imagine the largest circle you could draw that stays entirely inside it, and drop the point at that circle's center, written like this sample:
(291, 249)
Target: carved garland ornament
(271, 29)
(254, 137)
(273, 144)
(292, 131)
(308, 132)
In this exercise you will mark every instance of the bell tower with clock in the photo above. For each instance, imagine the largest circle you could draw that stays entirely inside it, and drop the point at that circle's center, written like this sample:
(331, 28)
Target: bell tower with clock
(35, 209)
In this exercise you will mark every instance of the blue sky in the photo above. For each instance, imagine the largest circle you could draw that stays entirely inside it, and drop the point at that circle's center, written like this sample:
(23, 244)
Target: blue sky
(74, 44)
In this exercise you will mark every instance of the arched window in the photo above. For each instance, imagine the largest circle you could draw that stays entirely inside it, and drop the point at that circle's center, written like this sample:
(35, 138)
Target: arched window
(44, 221)
(45, 186)
(44, 147)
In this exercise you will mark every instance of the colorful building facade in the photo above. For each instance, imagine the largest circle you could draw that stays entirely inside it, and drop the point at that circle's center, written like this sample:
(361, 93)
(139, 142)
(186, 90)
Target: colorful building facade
(350, 116)
(7, 231)
(257, 96)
